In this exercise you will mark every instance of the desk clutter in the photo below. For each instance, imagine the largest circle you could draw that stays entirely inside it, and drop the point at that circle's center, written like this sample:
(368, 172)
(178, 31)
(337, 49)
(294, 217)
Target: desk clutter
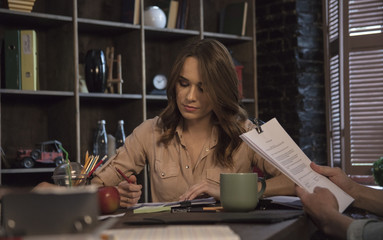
(50, 211)
(74, 213)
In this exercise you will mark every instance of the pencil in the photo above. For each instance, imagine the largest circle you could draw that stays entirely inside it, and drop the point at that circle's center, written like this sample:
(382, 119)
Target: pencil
(123, 175)
(87, 160)
(217, 208)
(97, 165)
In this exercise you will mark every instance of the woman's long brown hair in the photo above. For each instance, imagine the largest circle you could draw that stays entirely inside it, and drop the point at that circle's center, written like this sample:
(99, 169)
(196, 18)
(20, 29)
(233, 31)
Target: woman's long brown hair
(220, 83)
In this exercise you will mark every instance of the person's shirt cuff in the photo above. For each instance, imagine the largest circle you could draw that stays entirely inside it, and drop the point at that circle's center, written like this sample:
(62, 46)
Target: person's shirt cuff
(355, 230)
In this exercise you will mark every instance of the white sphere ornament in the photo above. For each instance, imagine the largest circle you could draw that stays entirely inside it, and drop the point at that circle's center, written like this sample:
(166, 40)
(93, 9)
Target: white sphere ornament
(154, 17)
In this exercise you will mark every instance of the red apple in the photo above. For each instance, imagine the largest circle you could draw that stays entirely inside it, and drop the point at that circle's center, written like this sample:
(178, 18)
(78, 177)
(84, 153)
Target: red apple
(109, 199)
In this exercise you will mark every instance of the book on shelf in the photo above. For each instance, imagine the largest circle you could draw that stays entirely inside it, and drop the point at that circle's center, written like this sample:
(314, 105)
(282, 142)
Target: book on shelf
(12, 63)
(137, 10)
(273, 143)
(170, 8)
(233, 18)
(28, 43)
(172, 16)
(164, 5)
(127, 14)
(131, 11)
(182, 14)
(21, 5)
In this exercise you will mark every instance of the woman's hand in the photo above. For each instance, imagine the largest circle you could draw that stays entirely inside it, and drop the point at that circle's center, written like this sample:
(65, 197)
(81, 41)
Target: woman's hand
(203, 188)
(130, 193)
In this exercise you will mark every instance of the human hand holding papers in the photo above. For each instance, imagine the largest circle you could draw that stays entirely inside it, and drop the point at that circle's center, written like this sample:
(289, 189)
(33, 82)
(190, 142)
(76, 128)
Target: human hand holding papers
(277, 147)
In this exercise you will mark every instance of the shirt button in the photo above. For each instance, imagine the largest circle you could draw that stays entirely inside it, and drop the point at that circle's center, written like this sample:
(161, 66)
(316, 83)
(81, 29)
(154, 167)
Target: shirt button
(163, 174)
(187, 166)
(207, 149)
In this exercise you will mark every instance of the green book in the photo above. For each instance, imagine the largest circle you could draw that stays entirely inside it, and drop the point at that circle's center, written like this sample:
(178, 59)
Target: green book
(12, 59)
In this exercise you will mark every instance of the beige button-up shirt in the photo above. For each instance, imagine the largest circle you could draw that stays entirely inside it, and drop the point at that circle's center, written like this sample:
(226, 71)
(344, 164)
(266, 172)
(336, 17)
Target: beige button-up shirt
(170, 170)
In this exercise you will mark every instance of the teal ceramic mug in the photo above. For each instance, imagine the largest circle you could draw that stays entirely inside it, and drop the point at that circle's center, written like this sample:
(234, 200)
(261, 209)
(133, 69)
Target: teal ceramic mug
(239, 191)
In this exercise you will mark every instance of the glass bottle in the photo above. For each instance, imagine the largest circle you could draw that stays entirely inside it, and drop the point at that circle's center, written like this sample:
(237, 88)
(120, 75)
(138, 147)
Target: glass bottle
(120, 134)
(100, 145)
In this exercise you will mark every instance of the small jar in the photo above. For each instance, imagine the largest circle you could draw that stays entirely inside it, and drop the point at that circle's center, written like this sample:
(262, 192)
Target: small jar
(154, 17)
(69, 175)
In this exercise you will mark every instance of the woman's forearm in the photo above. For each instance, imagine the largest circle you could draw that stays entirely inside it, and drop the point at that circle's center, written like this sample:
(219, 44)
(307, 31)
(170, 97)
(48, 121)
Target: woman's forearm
(279, 185)
(368, 198)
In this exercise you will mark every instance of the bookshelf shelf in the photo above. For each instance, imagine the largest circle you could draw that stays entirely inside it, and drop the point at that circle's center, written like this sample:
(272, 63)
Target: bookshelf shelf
(109, 96)
(66, 30)
(92, 25)
(26, 170)
(33, 19)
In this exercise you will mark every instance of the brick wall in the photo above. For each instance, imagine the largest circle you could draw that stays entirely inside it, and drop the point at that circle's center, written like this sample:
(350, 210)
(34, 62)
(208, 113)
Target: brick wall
(290, 71)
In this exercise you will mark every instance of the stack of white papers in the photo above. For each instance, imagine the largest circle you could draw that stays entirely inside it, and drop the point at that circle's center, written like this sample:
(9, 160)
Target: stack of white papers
(277, 147)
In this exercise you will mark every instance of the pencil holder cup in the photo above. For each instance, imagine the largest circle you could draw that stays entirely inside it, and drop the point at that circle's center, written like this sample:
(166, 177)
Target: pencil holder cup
(69, 175)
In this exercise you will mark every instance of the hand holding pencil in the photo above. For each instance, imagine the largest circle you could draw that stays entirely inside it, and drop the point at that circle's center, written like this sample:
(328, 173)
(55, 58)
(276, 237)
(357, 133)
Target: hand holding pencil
(130, 191)
(123, 175)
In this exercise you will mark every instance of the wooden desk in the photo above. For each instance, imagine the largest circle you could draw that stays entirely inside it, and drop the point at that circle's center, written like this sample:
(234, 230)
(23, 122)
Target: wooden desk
(297, 228)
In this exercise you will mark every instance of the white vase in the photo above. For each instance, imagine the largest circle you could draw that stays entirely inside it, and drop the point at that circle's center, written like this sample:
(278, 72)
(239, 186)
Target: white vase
(154, 17)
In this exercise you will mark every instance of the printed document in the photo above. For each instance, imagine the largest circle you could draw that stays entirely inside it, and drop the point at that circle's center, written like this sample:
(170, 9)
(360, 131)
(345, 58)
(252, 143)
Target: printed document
(276, 146)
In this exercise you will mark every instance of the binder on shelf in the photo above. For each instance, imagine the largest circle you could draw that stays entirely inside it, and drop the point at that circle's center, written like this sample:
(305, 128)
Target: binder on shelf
(233, 19)
(273, 143)
(28, 41)
(12, 59)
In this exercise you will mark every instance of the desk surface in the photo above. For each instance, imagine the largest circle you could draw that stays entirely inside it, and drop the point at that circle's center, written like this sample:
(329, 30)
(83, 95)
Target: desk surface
(296, 228)
(299, 228)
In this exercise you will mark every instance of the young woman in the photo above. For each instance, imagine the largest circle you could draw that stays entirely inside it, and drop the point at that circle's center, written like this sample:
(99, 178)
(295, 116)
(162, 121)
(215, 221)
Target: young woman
(195, 138)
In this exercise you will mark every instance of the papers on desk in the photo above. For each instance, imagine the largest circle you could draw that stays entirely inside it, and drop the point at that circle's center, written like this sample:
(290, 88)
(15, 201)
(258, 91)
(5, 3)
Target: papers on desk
(288, 201)
(273, 143)
(210, 232)
(166, 206)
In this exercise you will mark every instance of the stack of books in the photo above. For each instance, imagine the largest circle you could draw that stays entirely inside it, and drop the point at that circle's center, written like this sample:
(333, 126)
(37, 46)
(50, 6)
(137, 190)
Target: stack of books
(21, 5)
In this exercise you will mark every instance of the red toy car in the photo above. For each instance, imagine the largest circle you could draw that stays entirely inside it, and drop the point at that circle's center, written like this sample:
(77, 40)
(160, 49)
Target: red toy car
(45, 152)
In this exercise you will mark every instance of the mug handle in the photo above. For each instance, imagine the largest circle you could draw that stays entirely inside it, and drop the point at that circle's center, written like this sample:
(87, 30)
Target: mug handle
(263, 182)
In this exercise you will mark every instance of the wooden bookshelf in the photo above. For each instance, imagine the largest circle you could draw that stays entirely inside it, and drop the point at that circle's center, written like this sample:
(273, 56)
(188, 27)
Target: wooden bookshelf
(66, 30)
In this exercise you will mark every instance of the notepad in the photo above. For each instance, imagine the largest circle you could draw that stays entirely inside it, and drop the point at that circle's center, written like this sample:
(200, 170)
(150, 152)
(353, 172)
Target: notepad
(152, 209)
